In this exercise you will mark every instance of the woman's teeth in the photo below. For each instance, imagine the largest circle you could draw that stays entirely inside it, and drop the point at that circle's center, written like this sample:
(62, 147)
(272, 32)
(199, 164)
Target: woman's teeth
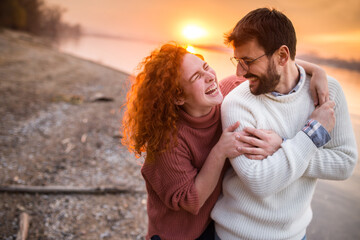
(211, 90)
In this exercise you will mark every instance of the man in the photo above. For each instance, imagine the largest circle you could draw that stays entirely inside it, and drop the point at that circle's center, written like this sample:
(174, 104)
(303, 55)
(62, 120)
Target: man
(270, 199)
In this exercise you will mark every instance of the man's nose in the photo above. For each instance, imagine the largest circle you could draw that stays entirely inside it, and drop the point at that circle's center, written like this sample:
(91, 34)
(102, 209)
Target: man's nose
(240, 71)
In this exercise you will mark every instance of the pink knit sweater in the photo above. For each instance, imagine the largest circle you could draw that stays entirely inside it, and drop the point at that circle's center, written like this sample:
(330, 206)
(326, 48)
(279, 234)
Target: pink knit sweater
(173, 203)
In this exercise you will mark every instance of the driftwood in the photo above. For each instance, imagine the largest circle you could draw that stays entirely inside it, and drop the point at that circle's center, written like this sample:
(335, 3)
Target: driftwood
(66, 189)
(24, 226)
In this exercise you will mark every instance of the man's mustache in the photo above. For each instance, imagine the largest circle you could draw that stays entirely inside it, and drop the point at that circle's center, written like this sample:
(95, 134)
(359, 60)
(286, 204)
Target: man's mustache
(249, 75)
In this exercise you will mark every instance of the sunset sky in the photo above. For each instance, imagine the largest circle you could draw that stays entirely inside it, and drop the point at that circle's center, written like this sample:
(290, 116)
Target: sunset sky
(327, 28)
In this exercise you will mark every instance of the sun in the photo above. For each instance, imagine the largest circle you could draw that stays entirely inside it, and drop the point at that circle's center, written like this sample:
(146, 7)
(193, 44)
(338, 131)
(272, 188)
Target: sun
(190, 49)
(193, 32)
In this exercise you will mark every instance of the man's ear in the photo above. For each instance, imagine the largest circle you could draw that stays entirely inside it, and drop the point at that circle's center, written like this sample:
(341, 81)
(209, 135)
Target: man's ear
(283, 55)
(180, 101)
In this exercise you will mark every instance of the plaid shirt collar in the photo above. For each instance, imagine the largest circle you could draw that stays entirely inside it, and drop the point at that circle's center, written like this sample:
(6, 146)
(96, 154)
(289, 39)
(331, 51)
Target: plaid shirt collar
(302, 78)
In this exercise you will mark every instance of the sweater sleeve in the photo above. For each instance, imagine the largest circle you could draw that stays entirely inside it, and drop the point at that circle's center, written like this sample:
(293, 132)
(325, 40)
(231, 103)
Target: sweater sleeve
(276, 172)
(229, 83)
(337, 159)
(172, 177)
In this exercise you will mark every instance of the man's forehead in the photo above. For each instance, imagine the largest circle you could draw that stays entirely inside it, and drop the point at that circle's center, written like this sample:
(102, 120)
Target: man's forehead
(248, 49)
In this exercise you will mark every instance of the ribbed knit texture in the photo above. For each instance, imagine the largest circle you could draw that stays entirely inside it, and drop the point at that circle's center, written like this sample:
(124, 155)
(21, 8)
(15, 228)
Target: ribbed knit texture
(173, 203)
(270, 199)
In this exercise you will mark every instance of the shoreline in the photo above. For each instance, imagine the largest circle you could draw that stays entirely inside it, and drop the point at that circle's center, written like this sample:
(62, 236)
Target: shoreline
(56, 131)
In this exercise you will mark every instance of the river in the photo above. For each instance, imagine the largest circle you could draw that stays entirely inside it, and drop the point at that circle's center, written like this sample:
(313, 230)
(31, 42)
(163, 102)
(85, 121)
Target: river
(336, 204)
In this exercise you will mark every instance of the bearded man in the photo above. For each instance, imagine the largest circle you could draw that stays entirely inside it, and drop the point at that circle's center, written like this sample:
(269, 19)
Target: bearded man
(270, 199)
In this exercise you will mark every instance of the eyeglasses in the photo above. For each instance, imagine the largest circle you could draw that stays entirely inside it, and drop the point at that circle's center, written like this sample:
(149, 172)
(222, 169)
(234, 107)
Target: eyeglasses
(245, 64)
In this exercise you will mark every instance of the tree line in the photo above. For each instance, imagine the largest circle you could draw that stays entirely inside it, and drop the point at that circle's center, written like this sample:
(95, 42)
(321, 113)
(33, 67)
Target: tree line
(35, 17)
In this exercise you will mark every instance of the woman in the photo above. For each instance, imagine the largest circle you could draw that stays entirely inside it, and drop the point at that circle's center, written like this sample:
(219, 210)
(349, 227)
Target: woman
(173, 115)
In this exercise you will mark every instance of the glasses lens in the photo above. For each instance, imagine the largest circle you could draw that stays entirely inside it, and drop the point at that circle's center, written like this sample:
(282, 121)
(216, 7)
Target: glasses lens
(241, 62)
(243, 65)
(234, 61)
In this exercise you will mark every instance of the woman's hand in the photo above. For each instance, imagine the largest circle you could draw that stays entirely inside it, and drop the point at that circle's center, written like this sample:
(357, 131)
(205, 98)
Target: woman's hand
(258, 144)
(228, 145)
(319, 87)
(318, 83)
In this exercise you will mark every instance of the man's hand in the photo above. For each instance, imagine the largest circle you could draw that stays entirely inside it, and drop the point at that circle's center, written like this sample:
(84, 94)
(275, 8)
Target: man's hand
(325, 115)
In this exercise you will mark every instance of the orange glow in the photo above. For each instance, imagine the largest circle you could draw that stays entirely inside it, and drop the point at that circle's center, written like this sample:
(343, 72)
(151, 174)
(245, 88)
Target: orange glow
(193, 32)
(353, 37)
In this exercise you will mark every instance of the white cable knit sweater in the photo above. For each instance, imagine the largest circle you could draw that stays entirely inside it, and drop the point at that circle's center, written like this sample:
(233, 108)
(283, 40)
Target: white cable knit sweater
(270, 199)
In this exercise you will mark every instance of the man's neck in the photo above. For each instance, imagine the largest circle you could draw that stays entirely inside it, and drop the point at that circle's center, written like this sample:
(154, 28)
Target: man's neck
(288, 78)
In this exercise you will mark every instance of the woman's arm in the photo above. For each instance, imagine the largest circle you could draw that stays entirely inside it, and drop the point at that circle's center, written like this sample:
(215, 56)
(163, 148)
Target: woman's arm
(253, 143)
(179, 184)
(318, 83)
(208, 177)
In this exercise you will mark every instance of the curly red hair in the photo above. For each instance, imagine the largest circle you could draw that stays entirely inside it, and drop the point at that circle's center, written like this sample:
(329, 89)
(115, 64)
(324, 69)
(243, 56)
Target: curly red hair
(149, 122)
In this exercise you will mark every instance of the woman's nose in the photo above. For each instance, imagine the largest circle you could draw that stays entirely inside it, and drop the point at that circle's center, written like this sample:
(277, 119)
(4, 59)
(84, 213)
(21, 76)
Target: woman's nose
(209, 77)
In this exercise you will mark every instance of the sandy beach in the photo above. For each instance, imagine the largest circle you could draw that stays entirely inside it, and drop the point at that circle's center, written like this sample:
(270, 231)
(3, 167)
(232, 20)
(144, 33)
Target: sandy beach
(336, 204)
(60, 119)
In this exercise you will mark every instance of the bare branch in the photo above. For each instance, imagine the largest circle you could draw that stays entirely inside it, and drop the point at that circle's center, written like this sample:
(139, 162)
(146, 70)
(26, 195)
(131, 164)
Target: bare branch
(67, 189)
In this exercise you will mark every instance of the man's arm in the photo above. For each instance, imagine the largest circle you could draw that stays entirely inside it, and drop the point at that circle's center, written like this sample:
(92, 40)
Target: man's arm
(298, 156)
(337, 159)
(275, 172)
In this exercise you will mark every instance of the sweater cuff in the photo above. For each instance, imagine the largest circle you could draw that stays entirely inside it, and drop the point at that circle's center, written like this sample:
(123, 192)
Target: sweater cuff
(316, 132)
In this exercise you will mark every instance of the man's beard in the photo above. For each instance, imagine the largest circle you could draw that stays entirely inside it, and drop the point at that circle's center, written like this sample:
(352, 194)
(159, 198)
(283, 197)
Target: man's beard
(268, 82)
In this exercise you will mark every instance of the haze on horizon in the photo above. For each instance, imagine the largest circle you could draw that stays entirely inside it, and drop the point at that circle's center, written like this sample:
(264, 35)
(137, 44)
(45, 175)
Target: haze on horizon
(328, 29)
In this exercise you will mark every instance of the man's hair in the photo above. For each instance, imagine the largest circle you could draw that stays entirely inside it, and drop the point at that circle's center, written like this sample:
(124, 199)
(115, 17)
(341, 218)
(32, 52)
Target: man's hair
(269, 27)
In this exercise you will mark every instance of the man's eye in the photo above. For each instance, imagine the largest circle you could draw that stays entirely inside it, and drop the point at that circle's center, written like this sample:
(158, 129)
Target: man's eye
(206, 67)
